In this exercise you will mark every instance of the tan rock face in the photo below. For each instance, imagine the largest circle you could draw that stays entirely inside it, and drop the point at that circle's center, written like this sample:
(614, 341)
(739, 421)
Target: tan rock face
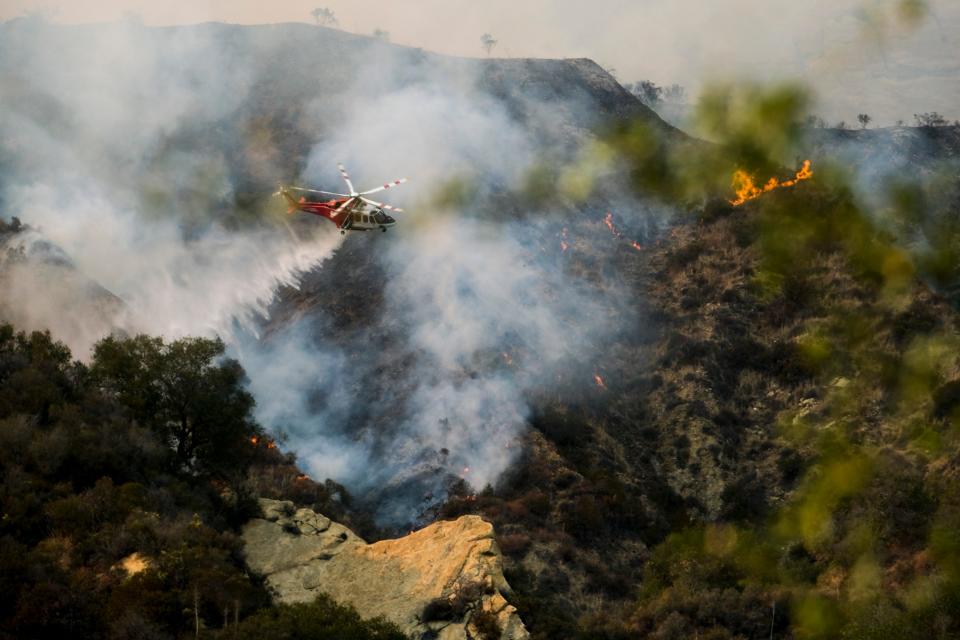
(454, 567)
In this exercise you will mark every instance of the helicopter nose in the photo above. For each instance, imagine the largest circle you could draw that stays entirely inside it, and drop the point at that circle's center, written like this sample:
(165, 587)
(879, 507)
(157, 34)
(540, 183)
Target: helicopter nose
(390, 220)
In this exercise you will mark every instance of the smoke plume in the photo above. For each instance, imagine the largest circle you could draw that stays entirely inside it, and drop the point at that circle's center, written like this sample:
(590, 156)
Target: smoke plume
(146, 156)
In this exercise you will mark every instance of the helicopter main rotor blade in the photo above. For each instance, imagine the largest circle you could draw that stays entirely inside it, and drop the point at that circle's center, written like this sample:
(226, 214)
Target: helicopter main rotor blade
(328, 193)
(389, 185)
(382, 205)
(344, 205)
(346, 178)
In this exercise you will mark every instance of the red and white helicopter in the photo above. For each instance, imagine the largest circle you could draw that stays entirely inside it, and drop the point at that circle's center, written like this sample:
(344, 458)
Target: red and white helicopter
(349, 211)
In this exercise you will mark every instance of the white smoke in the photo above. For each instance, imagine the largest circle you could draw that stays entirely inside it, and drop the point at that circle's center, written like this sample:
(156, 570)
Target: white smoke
(172, 286)
(93, 124)
(471, 294)
(111, 165)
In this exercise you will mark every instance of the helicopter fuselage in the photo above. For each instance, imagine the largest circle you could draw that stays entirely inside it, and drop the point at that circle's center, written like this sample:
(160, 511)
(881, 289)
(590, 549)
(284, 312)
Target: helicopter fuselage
(358, 216)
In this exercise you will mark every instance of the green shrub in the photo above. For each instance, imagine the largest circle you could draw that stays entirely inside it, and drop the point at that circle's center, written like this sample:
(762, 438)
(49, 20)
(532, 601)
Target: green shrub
(322, 619)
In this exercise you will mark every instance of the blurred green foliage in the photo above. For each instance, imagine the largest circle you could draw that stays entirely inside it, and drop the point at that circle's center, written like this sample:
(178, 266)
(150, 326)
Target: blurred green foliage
(866, 544)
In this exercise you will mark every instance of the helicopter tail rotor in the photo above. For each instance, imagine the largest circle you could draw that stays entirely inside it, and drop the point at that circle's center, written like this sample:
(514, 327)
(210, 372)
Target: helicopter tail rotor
(284, 191)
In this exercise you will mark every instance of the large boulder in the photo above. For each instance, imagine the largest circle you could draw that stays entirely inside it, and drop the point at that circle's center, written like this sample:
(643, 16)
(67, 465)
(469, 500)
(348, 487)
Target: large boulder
(444, 581)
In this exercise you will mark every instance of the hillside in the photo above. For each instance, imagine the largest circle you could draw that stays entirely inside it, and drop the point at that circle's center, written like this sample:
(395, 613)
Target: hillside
(909, 175)
(687, 422)
(682, 418)
(202, 172)
(273, 92)
(879, 154)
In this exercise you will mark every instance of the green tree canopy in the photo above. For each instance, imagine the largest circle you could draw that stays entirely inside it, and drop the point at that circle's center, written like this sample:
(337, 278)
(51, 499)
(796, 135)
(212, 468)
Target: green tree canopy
(187, 392)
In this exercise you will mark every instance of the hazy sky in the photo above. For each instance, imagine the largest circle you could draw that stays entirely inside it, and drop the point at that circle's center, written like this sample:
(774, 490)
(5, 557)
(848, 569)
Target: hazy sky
(857, 54)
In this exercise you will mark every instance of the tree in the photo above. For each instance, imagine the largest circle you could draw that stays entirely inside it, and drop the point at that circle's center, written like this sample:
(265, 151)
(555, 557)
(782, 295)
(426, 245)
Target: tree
(322, 618)
(932, 119)
(36, 374)
(488, 42)
(187, 392)
(648, 92)
(324, 16)
(380, 34)
(864, 120)
(675, 93)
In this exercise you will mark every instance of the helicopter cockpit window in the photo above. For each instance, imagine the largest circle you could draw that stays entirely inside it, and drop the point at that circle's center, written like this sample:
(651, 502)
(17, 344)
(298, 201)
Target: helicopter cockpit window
(379, 216)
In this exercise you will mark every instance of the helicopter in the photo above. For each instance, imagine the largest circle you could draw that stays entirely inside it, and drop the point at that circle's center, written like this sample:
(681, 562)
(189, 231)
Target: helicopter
(349, 211)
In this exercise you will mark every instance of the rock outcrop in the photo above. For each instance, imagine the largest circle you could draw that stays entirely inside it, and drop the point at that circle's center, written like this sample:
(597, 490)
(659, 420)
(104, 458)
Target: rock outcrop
(438, 582)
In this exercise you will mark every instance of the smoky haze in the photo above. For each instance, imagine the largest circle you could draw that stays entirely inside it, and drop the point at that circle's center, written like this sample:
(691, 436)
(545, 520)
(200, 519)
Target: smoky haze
(141, 160)
(858, 55)
(96, 160)
(476, 314)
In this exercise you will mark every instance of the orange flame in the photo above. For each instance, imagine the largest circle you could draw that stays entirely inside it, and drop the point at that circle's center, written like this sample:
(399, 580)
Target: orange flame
(599, 381)
(608, 220)
(746, 189)
(255, 441)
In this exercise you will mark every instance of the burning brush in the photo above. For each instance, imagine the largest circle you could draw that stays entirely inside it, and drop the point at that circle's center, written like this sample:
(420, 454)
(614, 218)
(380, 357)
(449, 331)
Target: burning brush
(746, 190)
(608, 221)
